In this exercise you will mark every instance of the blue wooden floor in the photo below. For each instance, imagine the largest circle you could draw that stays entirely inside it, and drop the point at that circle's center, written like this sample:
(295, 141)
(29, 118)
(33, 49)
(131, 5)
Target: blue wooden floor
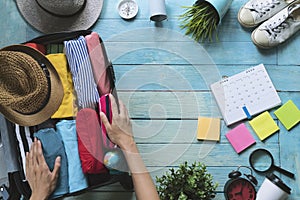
(163, 77)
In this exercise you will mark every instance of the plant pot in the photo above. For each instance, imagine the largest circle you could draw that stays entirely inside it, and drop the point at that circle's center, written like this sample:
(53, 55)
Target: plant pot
(202, 18)
(221, 6)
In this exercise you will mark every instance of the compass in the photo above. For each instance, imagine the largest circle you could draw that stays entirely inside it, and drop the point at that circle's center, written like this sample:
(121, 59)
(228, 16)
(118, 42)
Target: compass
(128, 9)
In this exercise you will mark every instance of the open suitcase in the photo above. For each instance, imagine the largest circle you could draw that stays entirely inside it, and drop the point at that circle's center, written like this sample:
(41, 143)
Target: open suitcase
(16, 138)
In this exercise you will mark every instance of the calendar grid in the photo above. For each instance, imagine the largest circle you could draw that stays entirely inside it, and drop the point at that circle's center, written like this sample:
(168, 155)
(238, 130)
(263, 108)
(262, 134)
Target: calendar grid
(245, 94)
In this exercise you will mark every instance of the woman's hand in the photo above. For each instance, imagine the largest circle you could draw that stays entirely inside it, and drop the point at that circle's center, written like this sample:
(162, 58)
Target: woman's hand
(120, 133)
(41, 180)
(120, 130)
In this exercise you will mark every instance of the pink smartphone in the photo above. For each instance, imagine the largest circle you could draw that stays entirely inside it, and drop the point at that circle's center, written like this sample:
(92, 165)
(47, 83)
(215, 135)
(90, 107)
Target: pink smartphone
(105, 107)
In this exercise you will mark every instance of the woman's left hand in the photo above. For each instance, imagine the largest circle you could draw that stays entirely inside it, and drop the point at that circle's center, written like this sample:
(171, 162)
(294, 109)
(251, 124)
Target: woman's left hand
(41, 180)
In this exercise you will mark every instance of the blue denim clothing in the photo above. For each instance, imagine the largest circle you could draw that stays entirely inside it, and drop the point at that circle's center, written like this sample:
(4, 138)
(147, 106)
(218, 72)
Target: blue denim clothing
(52, 147)
(67, 130)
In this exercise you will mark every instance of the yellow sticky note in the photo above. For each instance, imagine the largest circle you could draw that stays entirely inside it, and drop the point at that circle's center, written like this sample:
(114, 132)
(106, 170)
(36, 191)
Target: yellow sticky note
(288, 114)
(208, 128)
(264, 125)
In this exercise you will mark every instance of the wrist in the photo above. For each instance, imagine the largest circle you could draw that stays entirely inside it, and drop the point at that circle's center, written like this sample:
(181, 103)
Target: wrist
(128, 145)
(38, 197)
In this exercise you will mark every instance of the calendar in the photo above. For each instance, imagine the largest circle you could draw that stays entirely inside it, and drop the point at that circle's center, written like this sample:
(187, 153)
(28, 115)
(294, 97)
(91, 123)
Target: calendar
(245, 94)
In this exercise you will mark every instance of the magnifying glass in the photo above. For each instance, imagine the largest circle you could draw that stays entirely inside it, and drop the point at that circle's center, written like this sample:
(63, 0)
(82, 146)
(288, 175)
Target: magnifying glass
(261, 160)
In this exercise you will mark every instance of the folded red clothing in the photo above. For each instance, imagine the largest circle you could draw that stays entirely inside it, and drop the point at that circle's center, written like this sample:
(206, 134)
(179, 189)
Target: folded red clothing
(99, 62)
(90, 144)
(37, 46)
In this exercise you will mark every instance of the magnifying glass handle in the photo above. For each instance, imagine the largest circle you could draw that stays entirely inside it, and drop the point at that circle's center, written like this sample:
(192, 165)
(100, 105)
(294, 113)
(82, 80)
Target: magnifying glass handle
(285, 172)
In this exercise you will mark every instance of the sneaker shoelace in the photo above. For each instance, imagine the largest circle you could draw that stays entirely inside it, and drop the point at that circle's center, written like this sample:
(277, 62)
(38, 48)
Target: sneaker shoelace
(262, 8)
(275, 28)
(282, 24)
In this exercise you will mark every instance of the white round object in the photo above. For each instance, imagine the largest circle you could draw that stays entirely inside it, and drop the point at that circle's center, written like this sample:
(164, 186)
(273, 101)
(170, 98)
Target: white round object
(128, 9)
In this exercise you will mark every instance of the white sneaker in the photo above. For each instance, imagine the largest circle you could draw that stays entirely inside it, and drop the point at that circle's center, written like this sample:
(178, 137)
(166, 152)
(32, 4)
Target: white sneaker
(279, 28)
(255, 12)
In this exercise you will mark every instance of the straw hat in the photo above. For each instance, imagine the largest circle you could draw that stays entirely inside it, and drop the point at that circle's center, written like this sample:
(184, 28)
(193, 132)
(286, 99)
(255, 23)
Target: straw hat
(30, 87)
(49, 16)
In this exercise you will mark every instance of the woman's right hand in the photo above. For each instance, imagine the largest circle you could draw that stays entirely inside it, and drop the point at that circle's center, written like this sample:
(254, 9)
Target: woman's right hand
(120, 130)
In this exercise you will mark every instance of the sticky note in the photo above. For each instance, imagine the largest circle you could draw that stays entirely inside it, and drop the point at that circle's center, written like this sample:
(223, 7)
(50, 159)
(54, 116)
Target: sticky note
(288, 114)
(240, 138)
(208, 128)
(264, 125)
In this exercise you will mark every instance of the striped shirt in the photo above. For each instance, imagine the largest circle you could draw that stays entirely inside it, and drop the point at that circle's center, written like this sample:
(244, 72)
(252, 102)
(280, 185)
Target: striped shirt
(82, 74)
(24, 140)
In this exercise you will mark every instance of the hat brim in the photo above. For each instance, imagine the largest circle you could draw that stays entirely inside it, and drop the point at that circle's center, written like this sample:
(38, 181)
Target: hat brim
(49, 23)
(55, 95)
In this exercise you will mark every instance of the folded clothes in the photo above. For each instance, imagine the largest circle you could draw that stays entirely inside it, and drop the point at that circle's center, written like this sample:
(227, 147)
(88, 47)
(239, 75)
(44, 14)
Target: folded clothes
(54, 48)
(90, 142)
(24, 141)
(99, 62)
(36, 46)
(82, 75)
(67, 108)
(67, 130)
(52, 147)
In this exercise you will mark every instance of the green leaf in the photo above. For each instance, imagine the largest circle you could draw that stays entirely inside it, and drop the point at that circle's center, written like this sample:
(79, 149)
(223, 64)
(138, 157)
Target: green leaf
(187, 182)
(199, 20)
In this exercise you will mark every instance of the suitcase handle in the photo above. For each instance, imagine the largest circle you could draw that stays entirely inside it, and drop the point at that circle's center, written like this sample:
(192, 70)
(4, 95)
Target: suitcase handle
(59, 37)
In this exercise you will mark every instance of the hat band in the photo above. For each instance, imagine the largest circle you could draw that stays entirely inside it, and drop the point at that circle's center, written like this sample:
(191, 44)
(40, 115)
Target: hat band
(60, 11)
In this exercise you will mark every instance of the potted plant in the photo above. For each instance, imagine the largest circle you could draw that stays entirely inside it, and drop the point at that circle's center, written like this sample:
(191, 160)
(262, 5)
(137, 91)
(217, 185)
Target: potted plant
(187, 183)
(201, 19)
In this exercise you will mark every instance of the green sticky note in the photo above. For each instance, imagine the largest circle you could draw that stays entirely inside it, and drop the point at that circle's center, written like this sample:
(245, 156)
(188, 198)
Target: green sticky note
(264, 125)
(288, 114)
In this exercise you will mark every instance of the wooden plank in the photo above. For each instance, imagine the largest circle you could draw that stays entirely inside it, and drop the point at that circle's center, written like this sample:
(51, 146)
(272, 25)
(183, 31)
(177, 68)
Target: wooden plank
(151, 52)
(195, 77)
(212, 154)
(180, 132)
(288, 51)
(290, 157)
(169, 104)
(166, 77)
(231, 31)
(13, 26)
(32, 33)
(228, 31)
(177, 104)
(157, 52)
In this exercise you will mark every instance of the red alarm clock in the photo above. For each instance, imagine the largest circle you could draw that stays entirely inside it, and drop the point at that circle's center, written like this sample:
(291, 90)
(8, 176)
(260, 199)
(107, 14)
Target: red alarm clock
(239, 188)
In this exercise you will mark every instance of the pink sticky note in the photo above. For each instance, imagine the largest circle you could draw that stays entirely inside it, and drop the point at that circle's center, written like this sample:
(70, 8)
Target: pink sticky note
(240, 138)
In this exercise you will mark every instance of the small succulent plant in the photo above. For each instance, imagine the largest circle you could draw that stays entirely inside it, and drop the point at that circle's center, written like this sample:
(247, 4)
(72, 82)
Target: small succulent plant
(187, 183)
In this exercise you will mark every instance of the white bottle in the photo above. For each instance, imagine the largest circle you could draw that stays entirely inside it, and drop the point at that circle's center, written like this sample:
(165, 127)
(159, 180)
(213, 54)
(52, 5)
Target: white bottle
(273, 188)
